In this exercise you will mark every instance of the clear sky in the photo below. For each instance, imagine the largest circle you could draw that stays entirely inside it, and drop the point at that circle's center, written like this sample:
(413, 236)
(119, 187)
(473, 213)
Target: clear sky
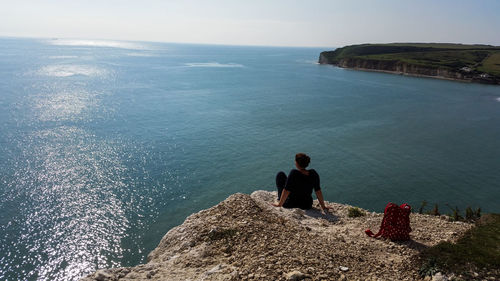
(256, 22)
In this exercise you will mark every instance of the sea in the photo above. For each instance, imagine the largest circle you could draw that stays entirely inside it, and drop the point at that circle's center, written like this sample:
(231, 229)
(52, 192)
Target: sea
(107, 145)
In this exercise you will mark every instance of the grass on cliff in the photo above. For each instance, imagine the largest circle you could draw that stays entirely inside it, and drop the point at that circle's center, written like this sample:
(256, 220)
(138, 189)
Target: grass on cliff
(439, 45)
(478, 250)
(354, 212)
(447, 59)
(491, 64)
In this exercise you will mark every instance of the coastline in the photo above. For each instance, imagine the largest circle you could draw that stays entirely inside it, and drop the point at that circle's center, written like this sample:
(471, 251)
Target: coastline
(454, 62)
(412, 74)
(245, 238)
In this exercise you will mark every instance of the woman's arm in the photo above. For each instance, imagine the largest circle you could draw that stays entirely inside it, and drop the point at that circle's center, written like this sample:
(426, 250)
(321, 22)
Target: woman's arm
(284, 195)
(319, 195)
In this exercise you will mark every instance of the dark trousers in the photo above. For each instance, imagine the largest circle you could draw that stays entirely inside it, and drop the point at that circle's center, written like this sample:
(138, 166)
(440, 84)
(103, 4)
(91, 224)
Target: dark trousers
(280, 182)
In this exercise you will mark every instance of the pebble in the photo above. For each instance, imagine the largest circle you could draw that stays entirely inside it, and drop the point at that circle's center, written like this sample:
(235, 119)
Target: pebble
(295, 276)
(235, 274)
(439, 277)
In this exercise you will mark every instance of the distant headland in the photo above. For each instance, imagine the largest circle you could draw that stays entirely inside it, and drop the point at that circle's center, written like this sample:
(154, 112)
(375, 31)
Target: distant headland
(470, 63)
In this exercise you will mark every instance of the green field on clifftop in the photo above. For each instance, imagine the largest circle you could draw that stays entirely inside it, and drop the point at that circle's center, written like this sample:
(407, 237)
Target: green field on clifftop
(491, 64)
(457, 57)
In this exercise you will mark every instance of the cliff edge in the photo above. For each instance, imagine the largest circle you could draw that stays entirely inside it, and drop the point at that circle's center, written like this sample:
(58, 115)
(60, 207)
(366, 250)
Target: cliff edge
(245, 238)
(469, 63)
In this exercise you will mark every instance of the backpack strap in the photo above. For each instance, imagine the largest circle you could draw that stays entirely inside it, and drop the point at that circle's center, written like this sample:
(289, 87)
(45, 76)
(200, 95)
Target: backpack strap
(370, 233)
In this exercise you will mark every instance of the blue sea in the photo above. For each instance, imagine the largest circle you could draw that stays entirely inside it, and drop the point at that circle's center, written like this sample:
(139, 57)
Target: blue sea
(106, 145)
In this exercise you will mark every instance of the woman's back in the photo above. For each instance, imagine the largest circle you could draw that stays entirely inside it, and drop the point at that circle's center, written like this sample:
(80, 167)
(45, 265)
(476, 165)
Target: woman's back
(300, 185)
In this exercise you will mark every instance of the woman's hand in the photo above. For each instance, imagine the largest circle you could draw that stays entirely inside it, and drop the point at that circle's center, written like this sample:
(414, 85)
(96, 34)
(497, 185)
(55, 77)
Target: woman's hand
(284, 195)
(325, 209)
(322, 202)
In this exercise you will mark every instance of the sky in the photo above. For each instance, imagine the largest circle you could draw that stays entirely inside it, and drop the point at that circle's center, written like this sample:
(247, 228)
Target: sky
(309, 23)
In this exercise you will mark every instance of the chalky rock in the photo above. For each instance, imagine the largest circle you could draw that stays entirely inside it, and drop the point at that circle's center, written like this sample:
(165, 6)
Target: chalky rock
(245, 238)
(344, 268)
(439, 277)
(295, 276)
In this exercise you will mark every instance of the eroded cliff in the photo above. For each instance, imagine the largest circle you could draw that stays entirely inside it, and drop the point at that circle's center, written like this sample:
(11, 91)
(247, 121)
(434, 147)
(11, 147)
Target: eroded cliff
(245, 238)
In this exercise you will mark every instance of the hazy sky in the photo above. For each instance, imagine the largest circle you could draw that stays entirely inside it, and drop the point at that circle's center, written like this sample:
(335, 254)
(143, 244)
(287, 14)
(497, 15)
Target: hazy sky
(255, 22)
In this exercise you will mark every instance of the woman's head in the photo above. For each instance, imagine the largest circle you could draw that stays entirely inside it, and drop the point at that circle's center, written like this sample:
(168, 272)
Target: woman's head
(302, 160)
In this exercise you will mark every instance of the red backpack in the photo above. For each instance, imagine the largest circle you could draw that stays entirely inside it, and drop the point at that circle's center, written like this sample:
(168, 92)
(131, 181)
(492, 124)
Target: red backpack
(396, 223)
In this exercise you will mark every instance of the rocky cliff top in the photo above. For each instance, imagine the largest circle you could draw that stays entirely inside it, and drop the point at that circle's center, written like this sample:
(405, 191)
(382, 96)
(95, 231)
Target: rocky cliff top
(245, 238)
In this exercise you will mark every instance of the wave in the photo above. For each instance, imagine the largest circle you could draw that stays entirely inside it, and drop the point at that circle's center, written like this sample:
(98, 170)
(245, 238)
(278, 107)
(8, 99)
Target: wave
(307, 61)
(213, 64)
(63, 57)
(276, 55)
(137, 54)
(70, 70)
(498, 99)
(97, 43)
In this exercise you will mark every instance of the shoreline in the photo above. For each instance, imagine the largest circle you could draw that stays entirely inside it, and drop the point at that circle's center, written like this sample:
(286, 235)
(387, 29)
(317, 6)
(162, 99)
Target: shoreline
(414, 75)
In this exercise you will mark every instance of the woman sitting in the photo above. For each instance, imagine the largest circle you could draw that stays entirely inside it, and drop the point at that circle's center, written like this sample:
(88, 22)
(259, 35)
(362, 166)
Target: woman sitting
(295, 191)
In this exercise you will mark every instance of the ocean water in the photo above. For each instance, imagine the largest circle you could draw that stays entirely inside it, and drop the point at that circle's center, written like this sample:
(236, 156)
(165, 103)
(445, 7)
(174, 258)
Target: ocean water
(105, 145)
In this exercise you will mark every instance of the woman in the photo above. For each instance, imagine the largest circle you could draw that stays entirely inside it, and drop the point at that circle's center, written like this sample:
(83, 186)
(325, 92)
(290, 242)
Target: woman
(295, 190)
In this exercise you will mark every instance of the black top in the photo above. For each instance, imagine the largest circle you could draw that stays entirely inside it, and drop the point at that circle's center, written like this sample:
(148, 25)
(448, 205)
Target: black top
(300, 187)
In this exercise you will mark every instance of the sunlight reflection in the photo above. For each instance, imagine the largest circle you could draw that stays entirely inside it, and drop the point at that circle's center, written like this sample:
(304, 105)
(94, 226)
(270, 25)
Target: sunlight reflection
(62, 70)
(97, 43)
(77, 218)
(213, 64)
(64, 106)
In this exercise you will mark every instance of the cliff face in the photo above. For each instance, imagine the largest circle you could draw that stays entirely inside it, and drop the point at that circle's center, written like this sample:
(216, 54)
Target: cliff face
(327, 57)
(245, 238)
(401, 68)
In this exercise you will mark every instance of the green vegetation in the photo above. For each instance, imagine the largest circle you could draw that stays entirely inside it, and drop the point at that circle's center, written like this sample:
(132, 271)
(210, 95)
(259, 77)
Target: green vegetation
(429, 267)
(436, 59)
(479, 62)
(491, 64)
(438, 45)
(471, 215)
(354, 212)
(435, 211)
(478, 250)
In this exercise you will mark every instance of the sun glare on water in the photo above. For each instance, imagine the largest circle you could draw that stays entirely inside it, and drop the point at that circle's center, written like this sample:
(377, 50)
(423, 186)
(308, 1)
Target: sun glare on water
(97, 43)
